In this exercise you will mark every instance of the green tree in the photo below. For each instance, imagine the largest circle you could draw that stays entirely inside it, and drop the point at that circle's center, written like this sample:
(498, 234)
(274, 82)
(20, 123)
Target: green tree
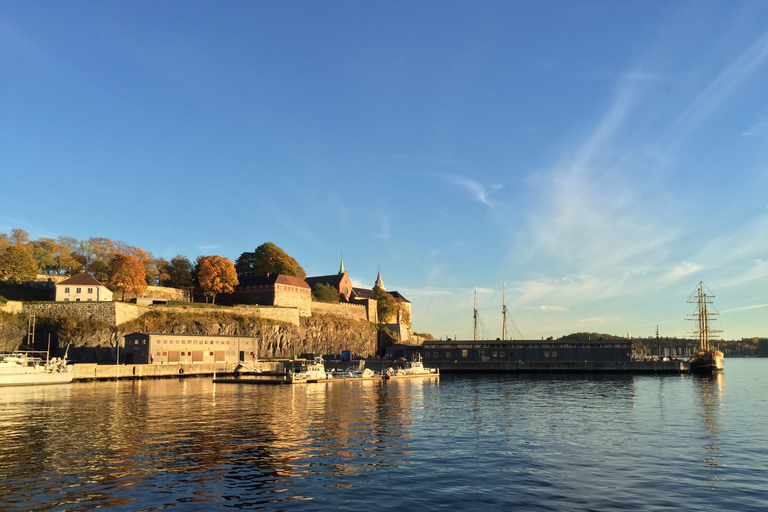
(386, 306)
(216, 275)
(268, 259)
(179, 272)
(322, 292)
(126, 274)
(17, 265)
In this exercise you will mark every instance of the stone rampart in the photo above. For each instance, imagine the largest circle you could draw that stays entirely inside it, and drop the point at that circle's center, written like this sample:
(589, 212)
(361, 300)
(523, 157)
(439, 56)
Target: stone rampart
(277, 314)
(341, 310)
(12, 306)
(112, 313)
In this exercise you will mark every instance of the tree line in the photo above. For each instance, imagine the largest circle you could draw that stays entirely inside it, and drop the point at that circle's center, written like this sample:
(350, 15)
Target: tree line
(124, 268)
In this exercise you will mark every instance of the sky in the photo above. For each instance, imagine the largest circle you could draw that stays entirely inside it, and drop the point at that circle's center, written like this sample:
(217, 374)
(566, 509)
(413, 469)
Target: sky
(598, 159)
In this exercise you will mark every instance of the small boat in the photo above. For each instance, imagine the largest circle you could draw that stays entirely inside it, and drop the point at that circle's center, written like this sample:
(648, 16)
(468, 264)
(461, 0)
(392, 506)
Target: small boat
(313, 371)
(414, 368)
(29, 369)
(707, 359)
(361, 372)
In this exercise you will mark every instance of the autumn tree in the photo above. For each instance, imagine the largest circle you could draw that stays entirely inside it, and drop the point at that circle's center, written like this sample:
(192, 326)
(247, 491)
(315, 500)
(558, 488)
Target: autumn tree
(95, 255)
(17, 264)
(268, 259)
(216, 275)
(53, 257)
(126, 274)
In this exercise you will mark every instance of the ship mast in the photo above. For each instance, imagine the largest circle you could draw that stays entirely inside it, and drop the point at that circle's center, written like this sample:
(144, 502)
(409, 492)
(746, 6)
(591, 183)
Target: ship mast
(701, 316)
(474, 336)
(504, 313)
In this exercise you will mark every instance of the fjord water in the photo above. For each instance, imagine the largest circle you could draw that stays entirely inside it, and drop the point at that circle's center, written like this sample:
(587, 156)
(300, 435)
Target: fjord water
(492, 442)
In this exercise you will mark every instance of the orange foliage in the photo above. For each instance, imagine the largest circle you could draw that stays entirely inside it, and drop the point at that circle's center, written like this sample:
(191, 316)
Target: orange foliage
(216, 275)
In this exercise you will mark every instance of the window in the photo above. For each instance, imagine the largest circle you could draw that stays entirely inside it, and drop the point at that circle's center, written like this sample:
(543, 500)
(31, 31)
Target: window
(554, 353)
(448, 354)
(501, 354)
(90, 290)
(546, 353)
(480, 352)
(463, 353)
(66, 290)
(436, 354)
(495, 354)
(78, 290)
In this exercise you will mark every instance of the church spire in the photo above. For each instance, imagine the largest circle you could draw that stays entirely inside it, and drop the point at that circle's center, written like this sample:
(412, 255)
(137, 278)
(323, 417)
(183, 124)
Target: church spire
(379, 283)
(341, 270)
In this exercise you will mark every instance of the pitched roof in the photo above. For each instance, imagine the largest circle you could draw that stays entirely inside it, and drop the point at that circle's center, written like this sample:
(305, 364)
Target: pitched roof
(398, 297)
(272, 279)
(81, 279)
(333, 280)
(362, 293)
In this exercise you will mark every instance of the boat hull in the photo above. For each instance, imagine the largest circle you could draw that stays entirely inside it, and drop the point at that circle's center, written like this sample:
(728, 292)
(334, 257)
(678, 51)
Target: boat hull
(707, 362)
(35, 378)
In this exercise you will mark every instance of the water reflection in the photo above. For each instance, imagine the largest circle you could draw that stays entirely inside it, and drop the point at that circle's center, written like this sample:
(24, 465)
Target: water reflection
(712, 394)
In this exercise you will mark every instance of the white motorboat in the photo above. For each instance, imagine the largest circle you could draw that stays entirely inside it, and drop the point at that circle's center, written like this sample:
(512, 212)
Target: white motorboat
(313, 371)
(414, 368)
(29, 369)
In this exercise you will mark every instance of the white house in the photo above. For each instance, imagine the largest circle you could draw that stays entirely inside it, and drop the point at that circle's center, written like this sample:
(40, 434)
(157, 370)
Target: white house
(82, 288)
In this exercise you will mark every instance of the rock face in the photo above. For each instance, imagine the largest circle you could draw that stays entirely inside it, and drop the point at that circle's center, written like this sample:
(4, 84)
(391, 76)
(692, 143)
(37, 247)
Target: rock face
(314, 335)
(11, 336)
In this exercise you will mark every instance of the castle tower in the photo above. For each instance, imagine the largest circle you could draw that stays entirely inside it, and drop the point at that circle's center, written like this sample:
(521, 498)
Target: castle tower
(379, 283)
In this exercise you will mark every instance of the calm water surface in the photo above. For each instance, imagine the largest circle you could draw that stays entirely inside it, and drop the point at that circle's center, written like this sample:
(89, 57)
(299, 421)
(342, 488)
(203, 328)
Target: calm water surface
(501, 442)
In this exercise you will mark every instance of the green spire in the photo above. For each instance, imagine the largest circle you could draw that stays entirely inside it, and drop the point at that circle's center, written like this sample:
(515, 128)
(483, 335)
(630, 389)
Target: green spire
(341, 270)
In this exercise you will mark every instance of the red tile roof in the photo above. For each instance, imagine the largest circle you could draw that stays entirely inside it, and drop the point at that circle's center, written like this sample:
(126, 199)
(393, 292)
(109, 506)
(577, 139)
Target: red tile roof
(81, 279)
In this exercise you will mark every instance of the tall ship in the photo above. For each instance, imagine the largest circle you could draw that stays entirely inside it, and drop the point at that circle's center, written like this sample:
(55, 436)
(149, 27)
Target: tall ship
(707, 359)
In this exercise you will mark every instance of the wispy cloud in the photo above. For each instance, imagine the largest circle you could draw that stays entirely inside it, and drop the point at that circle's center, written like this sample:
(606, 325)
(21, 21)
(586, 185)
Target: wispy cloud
(682, 270)
(475, 189)
(384, 232)
(725, 85)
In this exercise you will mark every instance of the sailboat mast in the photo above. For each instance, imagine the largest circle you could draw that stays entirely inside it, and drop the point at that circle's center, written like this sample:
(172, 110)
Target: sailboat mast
(504, 313)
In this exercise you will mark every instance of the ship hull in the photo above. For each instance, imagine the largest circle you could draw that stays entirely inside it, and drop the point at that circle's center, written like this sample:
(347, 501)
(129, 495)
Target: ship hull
(710, 361)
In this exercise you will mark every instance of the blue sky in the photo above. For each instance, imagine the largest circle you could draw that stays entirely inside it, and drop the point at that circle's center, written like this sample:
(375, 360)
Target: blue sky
(600, 158)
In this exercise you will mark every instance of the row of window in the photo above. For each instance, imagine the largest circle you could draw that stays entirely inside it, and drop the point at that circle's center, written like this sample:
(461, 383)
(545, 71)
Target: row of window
(195, 342)
(206, 353)
(204, 342)
(528, 345)
(494, 353)
(77, 290)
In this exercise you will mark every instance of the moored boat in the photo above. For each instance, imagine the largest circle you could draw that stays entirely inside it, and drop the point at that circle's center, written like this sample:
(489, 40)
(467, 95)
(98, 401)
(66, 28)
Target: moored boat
(29, 369)
(707, 359)
(312, 371)
(414, 368)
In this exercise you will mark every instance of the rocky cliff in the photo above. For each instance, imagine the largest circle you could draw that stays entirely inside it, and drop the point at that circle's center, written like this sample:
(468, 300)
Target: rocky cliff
(91, 341)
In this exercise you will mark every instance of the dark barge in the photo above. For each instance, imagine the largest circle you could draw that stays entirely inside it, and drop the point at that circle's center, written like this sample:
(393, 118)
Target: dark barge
(541, 356)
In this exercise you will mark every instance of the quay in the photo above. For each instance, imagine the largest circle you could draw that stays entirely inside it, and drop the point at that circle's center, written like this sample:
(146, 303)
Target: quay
(234, 372)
